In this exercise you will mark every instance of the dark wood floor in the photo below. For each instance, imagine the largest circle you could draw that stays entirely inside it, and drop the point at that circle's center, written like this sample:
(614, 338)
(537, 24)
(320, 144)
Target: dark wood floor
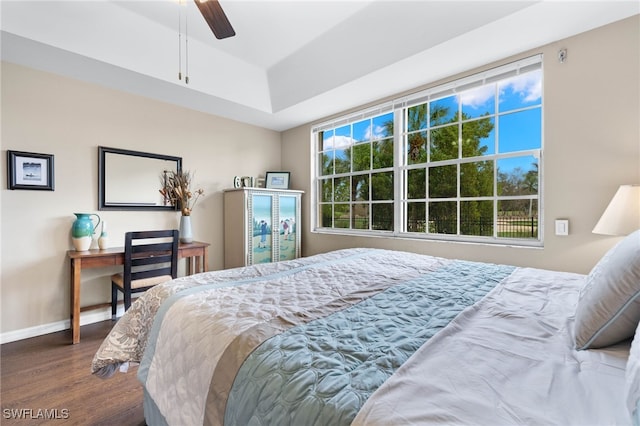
(48, 373)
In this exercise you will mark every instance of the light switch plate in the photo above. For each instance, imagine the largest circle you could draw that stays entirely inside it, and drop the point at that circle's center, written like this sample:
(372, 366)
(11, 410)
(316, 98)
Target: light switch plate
(562, 227)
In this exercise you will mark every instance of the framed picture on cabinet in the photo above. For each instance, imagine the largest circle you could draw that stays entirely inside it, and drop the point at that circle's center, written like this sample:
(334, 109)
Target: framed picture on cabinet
(28, 170)
(277, 180)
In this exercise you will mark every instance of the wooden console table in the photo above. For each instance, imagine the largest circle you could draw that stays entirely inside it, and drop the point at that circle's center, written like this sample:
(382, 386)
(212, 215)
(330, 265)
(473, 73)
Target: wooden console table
(196, 254)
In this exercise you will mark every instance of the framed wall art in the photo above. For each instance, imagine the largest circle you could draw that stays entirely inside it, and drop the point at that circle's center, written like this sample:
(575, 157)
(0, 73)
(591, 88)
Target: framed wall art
(29, 170)
(277, 180)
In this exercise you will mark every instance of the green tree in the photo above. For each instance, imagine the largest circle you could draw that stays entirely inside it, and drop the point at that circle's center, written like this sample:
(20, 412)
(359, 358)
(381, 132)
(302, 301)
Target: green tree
(531, 184)
(371, 156)
(518, 182)
(476, 177)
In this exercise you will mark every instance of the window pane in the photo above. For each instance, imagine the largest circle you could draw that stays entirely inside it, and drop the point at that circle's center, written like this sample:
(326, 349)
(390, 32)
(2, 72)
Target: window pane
(478, 138)
(342, 189)
(468, 167)
(518, 219)
(382, 126)
(444, 110)
(444, 143)
(520, 130)
(383, 154)
(360, 216)
(417, 148)
(443, 217)
(476, 179)
(361, 131)
(443, 182)
(520, 91)
(327, 140)
(343, 136)
(382, 217)
(326, 163)
(360, 188)
(416, 217)
(342, 217)
(518, 209)
(343, 161)
(361, 157)
(417, 117)
(476, 218)
(326, 190)
(416, 183)
(518, 176)
(327, 216)
(382, 186)
(479, 101)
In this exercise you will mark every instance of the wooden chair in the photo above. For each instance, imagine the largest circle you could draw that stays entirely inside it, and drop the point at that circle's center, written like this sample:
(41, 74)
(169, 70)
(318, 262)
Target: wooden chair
(150, 258)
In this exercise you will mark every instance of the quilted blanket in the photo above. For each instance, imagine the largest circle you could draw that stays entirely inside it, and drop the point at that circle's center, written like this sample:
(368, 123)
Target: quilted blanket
(348, 316)
(315, 340)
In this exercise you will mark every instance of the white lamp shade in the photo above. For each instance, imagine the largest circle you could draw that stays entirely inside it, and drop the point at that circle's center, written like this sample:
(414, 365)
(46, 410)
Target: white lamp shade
(622, 215)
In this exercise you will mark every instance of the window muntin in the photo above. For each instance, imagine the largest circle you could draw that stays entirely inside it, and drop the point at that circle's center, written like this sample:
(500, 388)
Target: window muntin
(468, 166)
(357, 192)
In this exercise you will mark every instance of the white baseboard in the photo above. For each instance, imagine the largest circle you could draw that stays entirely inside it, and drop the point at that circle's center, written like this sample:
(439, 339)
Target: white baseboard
(39, 330)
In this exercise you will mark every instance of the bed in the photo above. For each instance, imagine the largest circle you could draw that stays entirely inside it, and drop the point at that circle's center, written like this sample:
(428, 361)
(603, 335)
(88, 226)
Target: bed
(378, 337)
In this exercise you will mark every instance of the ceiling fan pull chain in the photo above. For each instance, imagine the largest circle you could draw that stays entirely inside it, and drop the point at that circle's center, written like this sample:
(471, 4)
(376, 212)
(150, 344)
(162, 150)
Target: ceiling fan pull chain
(180, 40)
(186, 47)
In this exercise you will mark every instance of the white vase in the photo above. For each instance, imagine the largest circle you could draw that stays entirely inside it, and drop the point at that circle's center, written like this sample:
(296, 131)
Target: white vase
(185, 229)
(103, 241)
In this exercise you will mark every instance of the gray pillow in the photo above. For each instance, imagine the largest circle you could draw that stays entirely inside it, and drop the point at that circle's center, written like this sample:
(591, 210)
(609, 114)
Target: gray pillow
(632, 387)
(608, 308)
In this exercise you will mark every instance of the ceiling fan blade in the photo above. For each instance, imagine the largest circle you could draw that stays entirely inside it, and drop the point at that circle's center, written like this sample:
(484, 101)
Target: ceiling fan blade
(216, 18)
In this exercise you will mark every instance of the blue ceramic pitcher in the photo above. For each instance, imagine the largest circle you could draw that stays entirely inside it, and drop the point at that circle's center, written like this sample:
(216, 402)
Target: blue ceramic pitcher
(82, 230)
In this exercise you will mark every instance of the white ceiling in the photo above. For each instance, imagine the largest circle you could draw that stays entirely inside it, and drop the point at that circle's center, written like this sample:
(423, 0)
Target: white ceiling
(291, 62)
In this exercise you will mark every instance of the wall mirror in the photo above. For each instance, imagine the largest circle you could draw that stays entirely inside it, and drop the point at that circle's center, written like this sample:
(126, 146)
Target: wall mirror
(131, 180)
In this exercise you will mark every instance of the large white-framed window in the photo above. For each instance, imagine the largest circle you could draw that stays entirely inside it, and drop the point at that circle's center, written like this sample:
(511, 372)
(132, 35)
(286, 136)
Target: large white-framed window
(460, 161)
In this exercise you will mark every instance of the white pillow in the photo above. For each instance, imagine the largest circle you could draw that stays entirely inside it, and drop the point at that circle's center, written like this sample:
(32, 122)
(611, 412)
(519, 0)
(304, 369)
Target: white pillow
(632, 388)
(608, 308)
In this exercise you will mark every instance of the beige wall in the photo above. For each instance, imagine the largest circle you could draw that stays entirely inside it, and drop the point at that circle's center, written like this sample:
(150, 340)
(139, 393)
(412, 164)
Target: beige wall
(591, 146)
(45, 113)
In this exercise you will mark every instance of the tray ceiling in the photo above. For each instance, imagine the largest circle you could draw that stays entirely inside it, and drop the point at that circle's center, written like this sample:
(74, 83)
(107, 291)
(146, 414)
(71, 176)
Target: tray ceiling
(291, 62)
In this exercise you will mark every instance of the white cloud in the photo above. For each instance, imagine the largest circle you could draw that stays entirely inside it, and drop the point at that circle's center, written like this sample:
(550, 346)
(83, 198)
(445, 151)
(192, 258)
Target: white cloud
(338, 142)
(528, 86)
(475, 98)
(375, 133)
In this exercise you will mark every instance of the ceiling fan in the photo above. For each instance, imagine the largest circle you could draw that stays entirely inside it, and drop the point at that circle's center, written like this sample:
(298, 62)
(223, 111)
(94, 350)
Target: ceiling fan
(216, 18)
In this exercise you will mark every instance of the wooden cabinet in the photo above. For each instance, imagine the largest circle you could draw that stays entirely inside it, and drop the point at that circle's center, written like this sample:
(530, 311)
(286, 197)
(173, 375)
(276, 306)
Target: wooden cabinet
(261, 226)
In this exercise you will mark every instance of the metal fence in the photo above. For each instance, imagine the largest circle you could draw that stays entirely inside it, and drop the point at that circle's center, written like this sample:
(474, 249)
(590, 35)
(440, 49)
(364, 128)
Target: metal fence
(507, 226)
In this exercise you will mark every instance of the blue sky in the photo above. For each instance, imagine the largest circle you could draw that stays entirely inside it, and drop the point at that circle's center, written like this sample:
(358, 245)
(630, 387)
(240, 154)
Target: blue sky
(516, 131)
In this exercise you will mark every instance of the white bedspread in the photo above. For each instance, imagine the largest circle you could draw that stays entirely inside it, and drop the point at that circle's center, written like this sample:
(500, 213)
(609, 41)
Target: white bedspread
(508, 360)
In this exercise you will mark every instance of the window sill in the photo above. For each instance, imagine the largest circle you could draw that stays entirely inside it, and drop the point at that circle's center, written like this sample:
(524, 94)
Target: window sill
(434, 238)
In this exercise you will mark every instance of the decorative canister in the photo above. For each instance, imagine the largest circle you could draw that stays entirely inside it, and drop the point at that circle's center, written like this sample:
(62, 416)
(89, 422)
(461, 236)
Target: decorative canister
(82, 230)
(186, 235)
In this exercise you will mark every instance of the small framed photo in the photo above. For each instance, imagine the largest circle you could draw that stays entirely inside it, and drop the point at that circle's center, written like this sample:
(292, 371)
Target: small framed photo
(277, 180)
(28, 170)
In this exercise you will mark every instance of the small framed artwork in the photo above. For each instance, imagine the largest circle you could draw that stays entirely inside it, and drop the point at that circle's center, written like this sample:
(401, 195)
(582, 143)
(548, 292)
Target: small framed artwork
(28, 170)
(277, 180)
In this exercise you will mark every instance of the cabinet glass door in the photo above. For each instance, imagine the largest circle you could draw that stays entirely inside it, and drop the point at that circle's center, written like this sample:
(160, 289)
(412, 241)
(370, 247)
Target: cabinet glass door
(262, 246)
(287, 231)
